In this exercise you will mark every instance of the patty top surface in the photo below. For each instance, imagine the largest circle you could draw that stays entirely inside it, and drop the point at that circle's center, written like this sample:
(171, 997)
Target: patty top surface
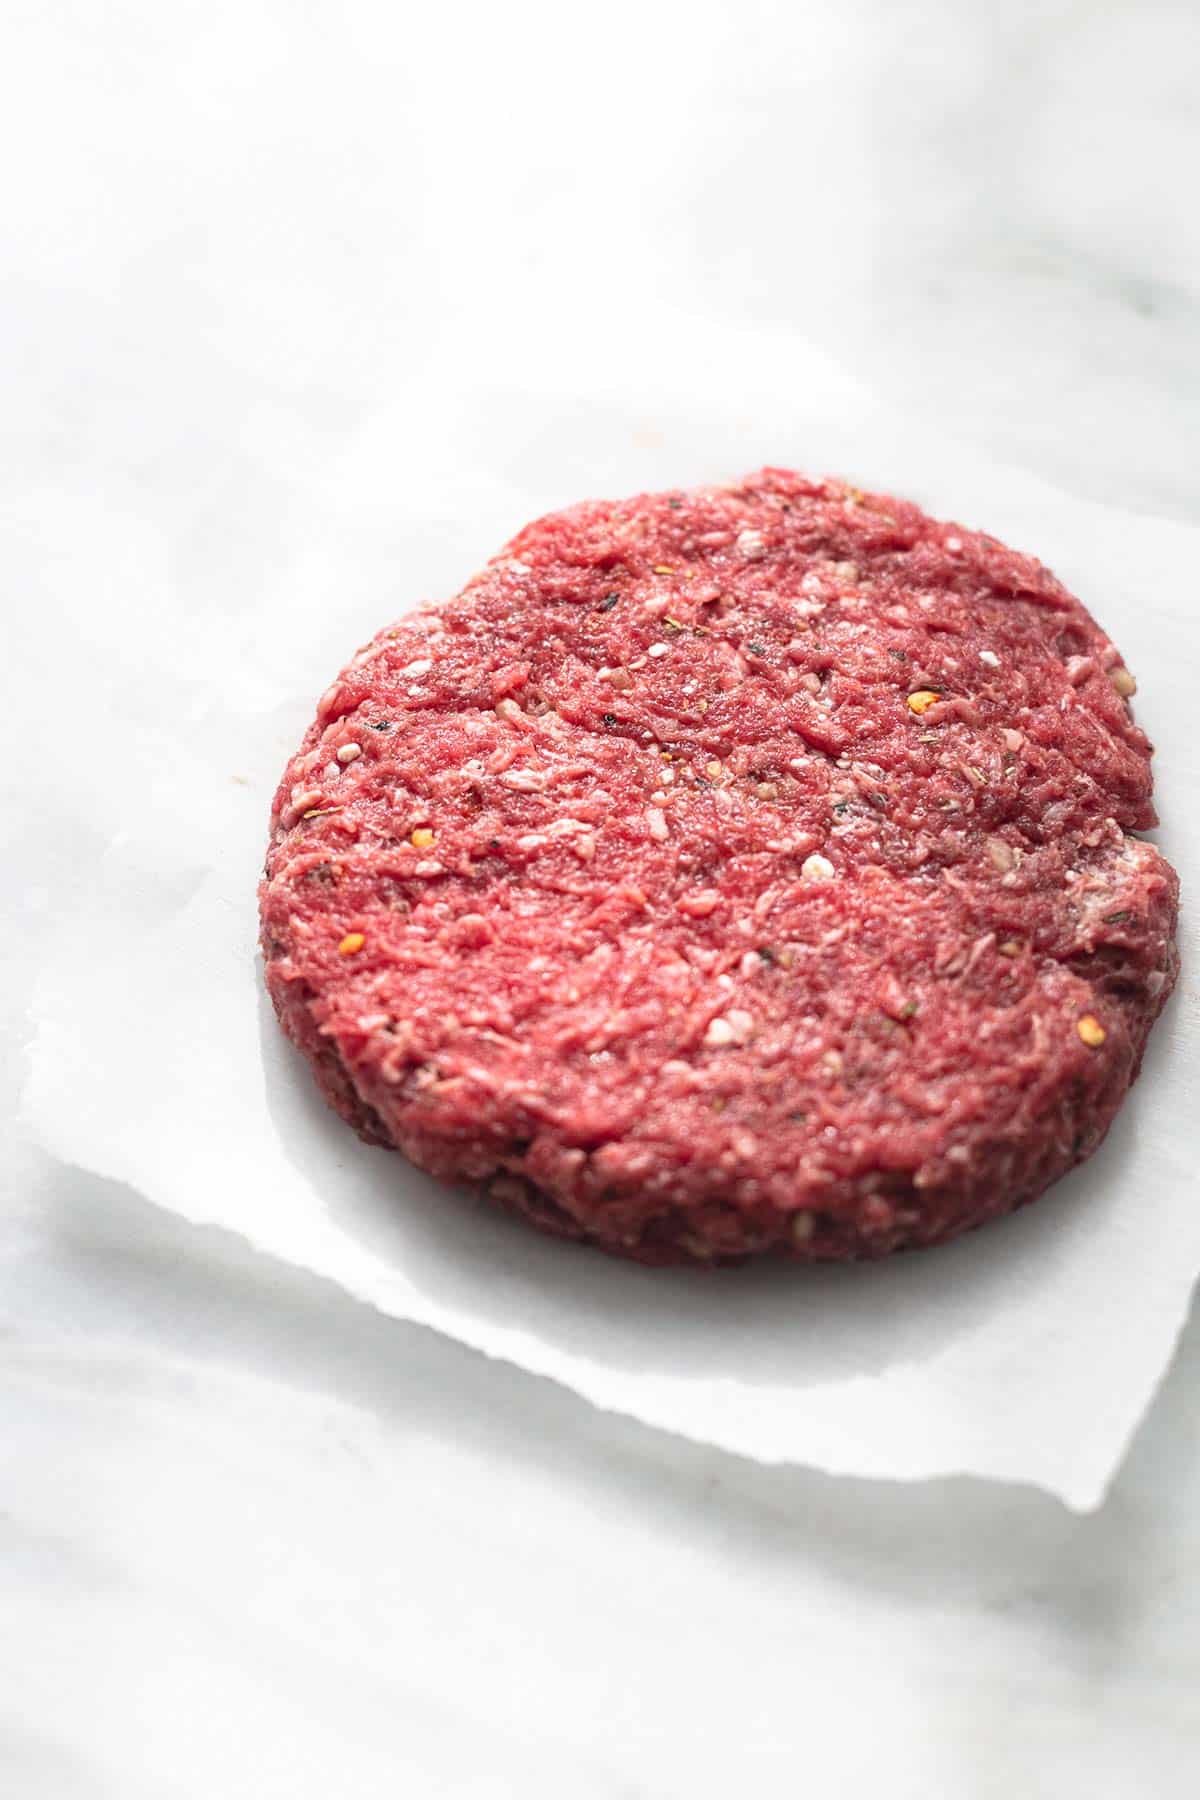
(730, 869)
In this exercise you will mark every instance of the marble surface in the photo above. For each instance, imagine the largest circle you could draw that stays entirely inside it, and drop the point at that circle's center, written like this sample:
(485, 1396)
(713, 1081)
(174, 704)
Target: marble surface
(254, 1539)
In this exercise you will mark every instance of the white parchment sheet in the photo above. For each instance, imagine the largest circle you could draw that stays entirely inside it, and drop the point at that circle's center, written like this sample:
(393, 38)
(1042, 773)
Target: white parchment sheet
(186, 669)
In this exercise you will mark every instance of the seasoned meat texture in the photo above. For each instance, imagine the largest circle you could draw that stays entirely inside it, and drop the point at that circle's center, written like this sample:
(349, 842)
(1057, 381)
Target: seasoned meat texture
(732, 871)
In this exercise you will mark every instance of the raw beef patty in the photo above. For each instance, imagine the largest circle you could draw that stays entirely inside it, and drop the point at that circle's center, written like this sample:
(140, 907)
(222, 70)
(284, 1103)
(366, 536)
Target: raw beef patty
(732, 871)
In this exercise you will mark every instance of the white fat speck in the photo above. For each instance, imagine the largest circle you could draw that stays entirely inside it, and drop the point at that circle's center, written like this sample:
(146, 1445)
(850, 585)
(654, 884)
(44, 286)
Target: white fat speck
(507, 709)
(990, 658)
(348, 752)
(750, 544)
(751, 963)
(533, 840)
(954, 544)
(1013, 739)
(817, 868)
(658, 649)
(526, 781)
(720, 1032)
(428, 868)
(657, 822)
(421, 667)
(330, 770)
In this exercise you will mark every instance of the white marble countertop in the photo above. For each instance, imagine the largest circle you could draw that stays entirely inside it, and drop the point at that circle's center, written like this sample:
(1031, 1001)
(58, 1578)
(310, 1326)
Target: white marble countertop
(256, 1540)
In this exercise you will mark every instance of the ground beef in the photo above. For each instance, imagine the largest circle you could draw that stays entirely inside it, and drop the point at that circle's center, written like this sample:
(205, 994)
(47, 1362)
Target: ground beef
(739, 870)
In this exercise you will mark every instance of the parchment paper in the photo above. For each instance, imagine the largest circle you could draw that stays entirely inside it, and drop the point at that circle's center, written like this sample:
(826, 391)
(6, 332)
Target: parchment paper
(1027, 1352)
